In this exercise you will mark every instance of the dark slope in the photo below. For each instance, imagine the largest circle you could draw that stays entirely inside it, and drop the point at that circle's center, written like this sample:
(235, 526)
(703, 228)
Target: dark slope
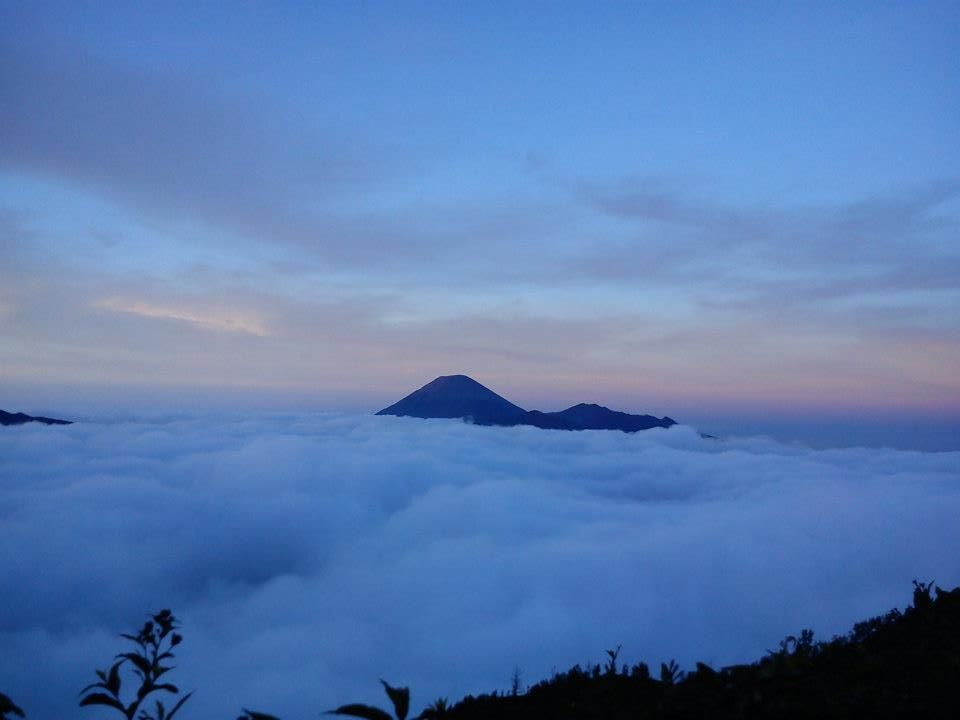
(597, 417)
(548, 421)
(897, 666)
(458, 396)
(21, 418)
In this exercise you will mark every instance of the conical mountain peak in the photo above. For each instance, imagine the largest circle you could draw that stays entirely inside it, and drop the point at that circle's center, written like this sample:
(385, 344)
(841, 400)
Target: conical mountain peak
(457, 396)
(460, 396)
(455, 382)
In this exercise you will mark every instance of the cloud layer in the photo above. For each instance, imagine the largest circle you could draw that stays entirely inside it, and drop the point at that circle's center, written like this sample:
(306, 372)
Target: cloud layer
(309, 555)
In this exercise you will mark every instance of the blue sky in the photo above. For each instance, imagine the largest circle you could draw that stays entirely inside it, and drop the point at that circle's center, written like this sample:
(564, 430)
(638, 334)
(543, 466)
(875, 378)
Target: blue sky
(734, 213)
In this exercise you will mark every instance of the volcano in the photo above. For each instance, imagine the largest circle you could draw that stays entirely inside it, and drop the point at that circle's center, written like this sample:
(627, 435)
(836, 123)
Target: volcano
(459, 396)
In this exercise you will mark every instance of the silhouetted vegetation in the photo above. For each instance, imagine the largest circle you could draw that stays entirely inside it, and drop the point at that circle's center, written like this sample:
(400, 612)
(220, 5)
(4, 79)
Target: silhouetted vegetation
(400, 697)
(251, 715)
(899, 665)
(154, 644)
(437, 711)
(8, 708)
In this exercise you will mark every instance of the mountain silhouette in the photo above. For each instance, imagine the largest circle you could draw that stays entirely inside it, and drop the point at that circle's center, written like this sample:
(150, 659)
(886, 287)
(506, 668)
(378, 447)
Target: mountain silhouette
(459, 396)
(597, 417)
(21, 418)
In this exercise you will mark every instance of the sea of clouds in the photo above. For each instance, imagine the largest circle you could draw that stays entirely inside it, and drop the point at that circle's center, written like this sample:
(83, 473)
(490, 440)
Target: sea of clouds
(308, 555)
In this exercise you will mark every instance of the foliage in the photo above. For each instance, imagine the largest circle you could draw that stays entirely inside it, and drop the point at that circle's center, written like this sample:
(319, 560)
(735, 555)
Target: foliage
(8, 708)
(900, 665)
(154, 644)
(516, 682)
(670, 674)
(253, 715)
(612, 656)
(437, 711)
(400, 697)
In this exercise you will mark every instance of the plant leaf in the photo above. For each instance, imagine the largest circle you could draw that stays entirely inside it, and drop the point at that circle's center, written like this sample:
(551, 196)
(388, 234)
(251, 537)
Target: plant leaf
(103, 699)
(253, 715)
(400, 697)
(143, 665)
(113, 679)
(9, 706)
(179, 705)
(361, 711)
(93, 685)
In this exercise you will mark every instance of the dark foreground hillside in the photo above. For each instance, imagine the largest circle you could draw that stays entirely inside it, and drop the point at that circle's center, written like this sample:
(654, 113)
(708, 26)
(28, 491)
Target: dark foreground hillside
(901, 665)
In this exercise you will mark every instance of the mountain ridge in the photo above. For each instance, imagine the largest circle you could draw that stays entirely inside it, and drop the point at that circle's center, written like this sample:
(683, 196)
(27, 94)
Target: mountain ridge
(460, 396)
(8, 418)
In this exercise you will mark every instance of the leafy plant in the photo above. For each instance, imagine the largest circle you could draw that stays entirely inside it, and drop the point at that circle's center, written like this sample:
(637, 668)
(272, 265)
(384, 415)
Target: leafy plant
(670, 674)
(516, 682)
(802, 646)
(8, 708)
(921, 595)
(612, 660)
(438, 710)
(253, 715)
(154, 642)
(400, 697)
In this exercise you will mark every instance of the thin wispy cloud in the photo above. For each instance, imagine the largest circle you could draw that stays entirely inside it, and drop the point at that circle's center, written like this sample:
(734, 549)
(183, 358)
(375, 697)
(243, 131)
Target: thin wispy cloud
(858, 245)
(168, 142)
(219, 320)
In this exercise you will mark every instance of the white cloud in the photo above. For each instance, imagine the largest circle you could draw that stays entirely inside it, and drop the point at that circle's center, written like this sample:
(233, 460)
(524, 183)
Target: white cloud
(309, 555)
(226, 320)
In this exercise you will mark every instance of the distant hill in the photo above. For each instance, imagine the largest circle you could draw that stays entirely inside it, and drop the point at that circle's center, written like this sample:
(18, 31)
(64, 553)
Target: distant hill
(21, 418)
(597, 417)
(459, 396)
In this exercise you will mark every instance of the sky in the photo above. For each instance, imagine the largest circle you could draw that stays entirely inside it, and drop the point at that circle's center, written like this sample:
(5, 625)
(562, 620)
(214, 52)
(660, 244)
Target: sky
(741, 215)
(308, 555)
